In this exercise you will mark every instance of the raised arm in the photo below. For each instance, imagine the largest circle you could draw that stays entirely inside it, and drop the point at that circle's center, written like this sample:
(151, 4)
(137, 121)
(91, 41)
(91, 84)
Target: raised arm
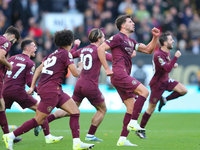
(35, 78)
(3, 60)
(101, 53)
(148, 49)
(77, 43)
(74, 70)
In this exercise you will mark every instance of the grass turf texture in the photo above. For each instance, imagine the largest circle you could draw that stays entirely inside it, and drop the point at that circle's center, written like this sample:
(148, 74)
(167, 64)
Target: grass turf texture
(165, 131)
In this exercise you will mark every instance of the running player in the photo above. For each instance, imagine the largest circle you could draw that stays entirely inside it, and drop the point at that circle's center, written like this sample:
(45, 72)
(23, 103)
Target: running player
(160, 82)
(11, 36)
(88, 82)
(15, 80)
(51, 72)
(122, 49)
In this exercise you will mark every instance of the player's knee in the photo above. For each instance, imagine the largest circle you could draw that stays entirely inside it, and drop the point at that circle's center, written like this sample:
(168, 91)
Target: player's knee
(184, 91)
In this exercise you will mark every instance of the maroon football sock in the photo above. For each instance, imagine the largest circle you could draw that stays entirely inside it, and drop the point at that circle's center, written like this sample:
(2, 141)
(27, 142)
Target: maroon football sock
(126, 120)
(28, 125)
(4, 122)
(138, 107)
(173, 96)
(92, 130)
(74, 125)
(51, 118)
(145, 119)
(45, 127)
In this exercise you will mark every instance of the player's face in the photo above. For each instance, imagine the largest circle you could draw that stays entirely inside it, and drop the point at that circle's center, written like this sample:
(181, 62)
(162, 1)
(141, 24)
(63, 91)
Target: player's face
(12, 39)
(102, 39)
(32, 49)
(129, 25)
(170, 42)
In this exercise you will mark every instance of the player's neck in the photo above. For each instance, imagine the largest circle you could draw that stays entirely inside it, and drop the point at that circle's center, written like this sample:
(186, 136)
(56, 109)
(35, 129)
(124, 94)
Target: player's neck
(125, 32)
(68, 48)
(26, 53)
(165, 49)
(97, 44)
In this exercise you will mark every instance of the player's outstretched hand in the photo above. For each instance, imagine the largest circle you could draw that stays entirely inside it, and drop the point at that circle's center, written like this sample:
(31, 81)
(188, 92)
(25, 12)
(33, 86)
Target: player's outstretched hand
(133, 54)
(155, 32)
(109, 72)
(30, 91)
(175, 65)
(77, 42)
(178, 54)
(80, 64)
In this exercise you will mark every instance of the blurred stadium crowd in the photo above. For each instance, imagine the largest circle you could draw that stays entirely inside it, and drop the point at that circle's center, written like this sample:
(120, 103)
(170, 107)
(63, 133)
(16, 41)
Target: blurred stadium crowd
(181, 17)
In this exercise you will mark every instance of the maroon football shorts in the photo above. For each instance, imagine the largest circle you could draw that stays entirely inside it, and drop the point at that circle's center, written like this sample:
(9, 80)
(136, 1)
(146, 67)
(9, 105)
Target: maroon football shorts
(91, 92)
(125, 86)
(19, 96)
(156, 92)
(51, 100)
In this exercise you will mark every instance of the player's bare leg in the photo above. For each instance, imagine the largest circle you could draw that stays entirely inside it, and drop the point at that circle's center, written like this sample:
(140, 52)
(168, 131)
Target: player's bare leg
(71, 107)
(96, 121)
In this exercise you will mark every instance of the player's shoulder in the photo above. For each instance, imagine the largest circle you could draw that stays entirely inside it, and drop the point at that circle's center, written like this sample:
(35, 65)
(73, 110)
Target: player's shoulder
(115, 37)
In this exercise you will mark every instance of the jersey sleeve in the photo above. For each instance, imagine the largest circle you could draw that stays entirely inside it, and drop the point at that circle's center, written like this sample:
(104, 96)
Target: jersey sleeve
(113, 41)
(29, 74)
(5, 46)
(74, 48)
(161, 62)
(108, 56)
(136, 44)
(76, 53)
(68, 58)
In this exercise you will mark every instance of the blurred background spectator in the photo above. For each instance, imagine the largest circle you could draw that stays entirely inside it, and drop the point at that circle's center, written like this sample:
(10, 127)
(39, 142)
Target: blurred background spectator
(180, 17)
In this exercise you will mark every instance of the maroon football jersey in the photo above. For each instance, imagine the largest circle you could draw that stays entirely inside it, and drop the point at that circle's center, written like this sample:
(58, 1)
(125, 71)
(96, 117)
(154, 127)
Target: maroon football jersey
(162, 65)
(121, 48)
(21, 73)
(91, 63)
(5, 45)
(54, 70)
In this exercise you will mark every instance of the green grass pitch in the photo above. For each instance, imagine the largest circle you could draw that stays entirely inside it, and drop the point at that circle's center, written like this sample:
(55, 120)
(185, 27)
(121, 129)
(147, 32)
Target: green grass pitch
(165, 131)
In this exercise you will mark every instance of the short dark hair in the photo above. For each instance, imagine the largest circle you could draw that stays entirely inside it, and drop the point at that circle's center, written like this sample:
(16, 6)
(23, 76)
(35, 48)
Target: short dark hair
(95, 34)
(63, 38)
(120, 20)
(163, 38)
(25, 43)
(15, 31)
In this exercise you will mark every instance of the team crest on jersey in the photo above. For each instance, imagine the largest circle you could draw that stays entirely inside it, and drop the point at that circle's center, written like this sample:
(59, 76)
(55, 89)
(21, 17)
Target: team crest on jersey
(70, 55)
(5, 45)
(49, 109)
(134, 82)
(155, 99)
(168, 58)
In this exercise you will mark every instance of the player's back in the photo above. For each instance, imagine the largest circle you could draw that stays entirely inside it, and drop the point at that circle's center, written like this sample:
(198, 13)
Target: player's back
(91, 63)
(23, 69)
(55, 68)
(160, 58)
